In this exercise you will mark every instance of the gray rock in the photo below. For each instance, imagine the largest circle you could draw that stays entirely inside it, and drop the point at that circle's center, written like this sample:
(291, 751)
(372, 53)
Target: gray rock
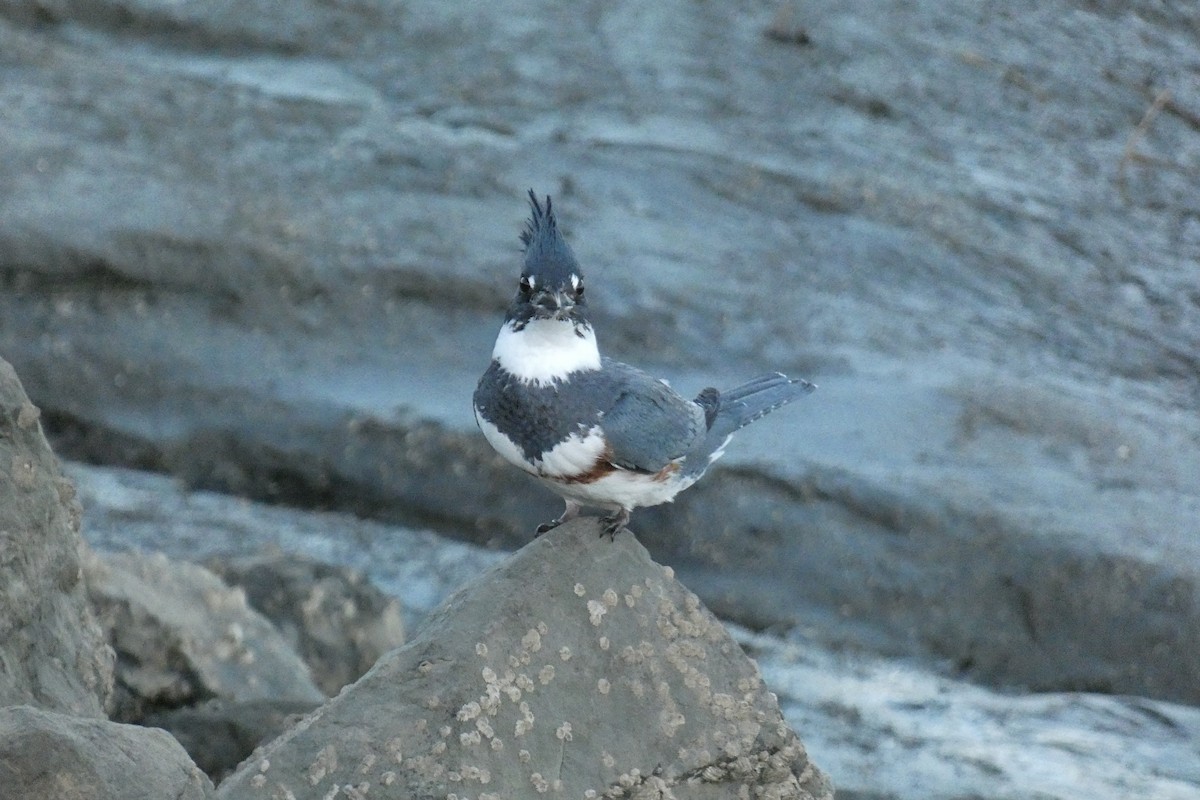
(219, 734)
(49, 755)
(126, 509)
(337, 621)
(577, 667)
(182, 636)
(882, 728)
(267, 251)
(52, 653)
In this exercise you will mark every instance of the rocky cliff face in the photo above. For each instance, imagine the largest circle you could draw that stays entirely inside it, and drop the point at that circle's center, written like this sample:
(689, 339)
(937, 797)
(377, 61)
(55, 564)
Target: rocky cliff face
(265, 249)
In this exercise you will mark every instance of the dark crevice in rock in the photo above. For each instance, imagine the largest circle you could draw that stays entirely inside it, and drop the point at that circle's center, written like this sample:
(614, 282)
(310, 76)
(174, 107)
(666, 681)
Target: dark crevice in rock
(146, 26)
(423, 283)
(224, 462)
(93, 277)
(78, 439)
(131, 704)
(90, 275)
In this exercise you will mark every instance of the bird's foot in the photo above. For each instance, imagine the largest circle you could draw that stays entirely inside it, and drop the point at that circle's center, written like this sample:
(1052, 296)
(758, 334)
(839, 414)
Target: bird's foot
(569, 513)
(612, 525)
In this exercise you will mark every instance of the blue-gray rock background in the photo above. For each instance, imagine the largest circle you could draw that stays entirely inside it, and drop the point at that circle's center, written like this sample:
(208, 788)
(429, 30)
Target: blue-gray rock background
(265, 248)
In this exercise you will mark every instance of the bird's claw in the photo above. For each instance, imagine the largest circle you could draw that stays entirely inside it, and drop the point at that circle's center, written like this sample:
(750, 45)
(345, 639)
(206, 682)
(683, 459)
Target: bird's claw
(569, 513)
(611, 526)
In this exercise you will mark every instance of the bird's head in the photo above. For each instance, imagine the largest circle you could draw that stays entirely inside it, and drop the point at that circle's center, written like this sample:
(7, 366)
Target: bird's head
(551, 285)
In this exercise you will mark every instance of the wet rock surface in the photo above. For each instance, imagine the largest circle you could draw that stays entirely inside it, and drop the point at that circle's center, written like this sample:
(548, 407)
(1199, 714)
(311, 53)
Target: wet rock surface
(578, 667)
(335, 619)
(886, 729)
(182, 636)
(143, 511)
(45, 754)
(52, 653)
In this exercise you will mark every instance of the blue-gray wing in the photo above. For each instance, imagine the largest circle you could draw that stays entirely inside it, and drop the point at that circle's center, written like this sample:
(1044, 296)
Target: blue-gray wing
(649, 425)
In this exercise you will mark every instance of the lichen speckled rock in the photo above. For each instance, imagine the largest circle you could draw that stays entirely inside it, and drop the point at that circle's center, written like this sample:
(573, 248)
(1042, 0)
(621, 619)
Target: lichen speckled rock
(335, 618)
(52, 654)
(576, 668)
(182, 636)
(48, 755)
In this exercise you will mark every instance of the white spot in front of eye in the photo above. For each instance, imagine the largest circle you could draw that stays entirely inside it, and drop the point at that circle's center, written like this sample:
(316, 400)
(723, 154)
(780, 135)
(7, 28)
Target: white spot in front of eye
(575, 281)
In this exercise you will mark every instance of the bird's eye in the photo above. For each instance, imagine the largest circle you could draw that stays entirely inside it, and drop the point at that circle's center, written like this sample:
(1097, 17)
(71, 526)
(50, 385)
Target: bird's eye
(579, 290)
(526, 285)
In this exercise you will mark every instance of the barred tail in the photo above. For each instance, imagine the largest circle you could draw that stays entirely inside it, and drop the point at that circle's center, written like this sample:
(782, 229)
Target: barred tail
(736, 408)
(754, 399)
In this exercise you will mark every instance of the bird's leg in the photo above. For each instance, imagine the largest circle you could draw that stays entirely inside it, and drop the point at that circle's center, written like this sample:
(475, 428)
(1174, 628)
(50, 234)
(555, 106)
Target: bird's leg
(613, 524)
(569, 513)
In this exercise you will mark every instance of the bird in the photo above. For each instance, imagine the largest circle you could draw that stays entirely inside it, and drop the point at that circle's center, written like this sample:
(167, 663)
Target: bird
(598, 432)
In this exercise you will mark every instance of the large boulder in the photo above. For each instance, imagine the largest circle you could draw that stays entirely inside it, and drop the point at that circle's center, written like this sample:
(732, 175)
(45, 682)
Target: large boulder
(219, 734)
(579, 668)
(52, 653)
(182, 636)
(335, 618)
(49, 755)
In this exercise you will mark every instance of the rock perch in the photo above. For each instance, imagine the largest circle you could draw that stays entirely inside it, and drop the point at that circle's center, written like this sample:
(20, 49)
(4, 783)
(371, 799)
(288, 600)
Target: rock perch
(576, 668)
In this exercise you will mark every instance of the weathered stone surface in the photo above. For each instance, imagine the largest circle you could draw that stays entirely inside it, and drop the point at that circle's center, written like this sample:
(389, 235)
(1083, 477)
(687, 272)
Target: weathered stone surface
(268, 251)
(127, 509)
(883, 729)
(52, 653)
(888, 730)
(183, 636)
(578, 665)
(333, 617)
(48, 755)
(219, 734)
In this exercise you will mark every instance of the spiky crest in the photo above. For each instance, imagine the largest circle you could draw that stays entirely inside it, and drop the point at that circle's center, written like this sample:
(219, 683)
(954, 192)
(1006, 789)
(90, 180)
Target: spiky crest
(540, 222)
(548, 257)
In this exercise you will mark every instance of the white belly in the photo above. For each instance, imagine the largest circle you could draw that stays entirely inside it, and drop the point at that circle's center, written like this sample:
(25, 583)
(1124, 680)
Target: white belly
(503, 445)
(622, 489)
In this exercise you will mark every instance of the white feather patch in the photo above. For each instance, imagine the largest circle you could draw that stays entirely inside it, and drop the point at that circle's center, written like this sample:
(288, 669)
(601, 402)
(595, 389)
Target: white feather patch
(623, 489)
(503, 445)
(573, 456)
(720, 451)
(546, 350)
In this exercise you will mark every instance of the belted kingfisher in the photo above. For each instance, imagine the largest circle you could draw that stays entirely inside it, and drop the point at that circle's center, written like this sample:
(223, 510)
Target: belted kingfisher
(598, 432)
